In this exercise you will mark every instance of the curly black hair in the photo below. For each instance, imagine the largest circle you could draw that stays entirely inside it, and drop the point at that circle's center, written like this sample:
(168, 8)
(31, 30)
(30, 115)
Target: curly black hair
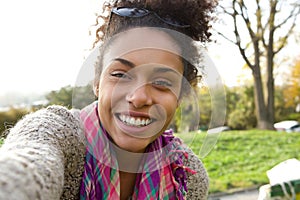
(195, 13)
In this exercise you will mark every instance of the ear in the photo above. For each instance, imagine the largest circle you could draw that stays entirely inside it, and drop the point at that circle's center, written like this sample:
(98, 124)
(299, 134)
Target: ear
(96, 89)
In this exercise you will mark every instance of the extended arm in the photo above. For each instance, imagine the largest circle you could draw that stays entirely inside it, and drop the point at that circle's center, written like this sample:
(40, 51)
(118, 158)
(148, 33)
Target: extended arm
(43, 156)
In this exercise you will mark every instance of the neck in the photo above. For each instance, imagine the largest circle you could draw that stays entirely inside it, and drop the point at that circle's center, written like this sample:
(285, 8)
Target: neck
(127, 183)
(128, 161)
(129, 166)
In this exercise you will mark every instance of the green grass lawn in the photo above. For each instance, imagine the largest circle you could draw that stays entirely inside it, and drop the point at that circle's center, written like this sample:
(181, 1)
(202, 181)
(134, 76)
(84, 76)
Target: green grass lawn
(240, 159)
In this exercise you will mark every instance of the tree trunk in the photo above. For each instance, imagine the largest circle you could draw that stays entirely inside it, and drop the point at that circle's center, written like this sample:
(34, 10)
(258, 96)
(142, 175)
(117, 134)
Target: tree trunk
(270, 88)
(261, 111)
(270, 66)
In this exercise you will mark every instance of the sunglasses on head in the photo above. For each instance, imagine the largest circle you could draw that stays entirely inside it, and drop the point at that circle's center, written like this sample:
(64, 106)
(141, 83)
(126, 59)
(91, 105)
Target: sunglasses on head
(141, 12)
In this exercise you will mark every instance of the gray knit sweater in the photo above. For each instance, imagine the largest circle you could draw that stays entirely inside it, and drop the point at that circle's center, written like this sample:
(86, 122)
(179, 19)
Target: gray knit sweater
(43, 158)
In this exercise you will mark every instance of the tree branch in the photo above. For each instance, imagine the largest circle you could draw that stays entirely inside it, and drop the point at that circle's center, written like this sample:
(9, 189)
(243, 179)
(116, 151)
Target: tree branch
(294, 13)
(238, 38)
(283, 41)
(245, 18)
(225, 11)
(225, 37)
(285, 38)
(260, 29)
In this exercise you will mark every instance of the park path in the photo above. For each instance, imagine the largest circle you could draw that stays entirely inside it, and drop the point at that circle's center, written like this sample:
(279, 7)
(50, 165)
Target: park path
(251, 194)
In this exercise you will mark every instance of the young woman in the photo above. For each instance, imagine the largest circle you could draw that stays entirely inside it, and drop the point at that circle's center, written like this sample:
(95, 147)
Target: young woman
(119, 147)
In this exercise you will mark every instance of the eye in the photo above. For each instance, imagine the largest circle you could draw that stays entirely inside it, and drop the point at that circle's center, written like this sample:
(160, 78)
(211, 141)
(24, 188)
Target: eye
(162, 83)
(120, 75)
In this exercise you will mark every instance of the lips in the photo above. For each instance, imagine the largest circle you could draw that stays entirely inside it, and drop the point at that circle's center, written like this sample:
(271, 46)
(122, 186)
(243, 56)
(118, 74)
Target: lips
(135, 120)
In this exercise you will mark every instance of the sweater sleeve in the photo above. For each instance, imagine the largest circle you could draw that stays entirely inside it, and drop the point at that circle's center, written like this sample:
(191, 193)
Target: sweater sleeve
(43, 156)
(197, 183)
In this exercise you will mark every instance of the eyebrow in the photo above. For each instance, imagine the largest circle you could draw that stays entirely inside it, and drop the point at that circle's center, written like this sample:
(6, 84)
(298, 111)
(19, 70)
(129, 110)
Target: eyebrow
(164, 70)
(125, 62)
(132, 65)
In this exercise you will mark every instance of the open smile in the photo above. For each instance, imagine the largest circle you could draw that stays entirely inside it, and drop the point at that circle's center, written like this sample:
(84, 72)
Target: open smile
(135, 121)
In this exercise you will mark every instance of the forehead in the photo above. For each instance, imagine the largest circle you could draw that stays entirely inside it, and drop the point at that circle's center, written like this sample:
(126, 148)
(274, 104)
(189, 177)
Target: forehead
(139, 39)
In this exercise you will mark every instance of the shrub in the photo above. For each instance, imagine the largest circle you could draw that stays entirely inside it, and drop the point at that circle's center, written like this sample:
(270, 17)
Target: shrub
(9, 118)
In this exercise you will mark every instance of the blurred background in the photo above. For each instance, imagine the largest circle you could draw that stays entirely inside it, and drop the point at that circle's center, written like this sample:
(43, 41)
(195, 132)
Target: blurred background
(255, 47)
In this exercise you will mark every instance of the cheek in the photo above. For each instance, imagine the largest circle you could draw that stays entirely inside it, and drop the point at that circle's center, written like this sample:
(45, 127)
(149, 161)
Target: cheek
(110, 94)
(104, 96)
(169, 103)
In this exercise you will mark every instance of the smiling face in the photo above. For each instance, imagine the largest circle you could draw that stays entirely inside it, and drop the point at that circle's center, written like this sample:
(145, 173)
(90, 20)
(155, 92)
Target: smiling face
(138, 91)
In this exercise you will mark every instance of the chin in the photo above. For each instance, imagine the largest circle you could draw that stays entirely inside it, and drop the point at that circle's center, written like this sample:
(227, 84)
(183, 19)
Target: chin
(131, 144)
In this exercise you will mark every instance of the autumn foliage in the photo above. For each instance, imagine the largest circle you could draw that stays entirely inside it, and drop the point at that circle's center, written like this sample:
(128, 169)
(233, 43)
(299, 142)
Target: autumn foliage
(292, 92)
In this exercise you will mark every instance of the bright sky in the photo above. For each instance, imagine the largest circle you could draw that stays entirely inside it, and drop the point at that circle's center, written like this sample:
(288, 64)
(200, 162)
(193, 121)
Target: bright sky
(43, 44)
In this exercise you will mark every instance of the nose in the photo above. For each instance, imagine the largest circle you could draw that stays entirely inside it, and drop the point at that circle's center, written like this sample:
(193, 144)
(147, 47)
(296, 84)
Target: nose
(140, 96)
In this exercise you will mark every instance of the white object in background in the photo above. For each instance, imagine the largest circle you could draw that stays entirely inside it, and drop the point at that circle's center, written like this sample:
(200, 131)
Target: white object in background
(284, 172)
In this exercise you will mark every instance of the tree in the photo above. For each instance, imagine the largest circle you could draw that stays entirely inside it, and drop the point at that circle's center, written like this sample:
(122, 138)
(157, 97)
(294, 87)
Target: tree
(205, 106)
(261, 29)
(241, 114)
(61, 97)
(282, 110)
(72, 97)
(83, 96)
(9, 118)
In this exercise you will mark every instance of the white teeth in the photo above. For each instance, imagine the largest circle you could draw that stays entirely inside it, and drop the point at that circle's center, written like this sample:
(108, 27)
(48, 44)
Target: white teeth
(122, 117)
(148, 121)
(134, 121)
